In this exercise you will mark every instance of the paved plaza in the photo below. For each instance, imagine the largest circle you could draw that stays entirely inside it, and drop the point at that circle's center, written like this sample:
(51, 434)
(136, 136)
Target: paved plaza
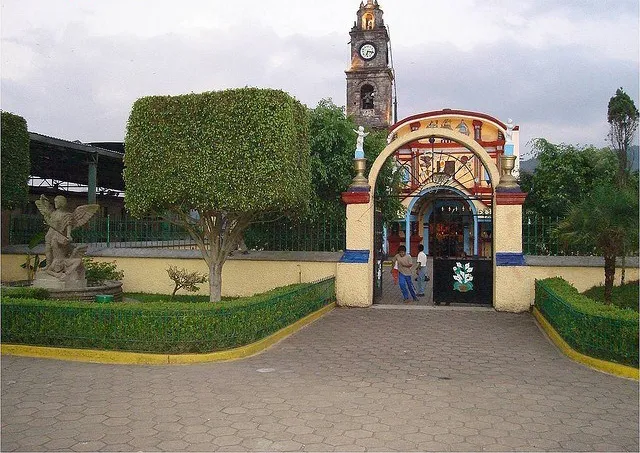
(430, 379)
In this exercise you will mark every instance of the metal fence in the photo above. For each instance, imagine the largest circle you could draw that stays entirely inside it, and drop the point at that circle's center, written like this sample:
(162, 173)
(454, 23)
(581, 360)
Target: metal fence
(603, 337)
(194, 327)
(284, 235)
(322, 235)
(539, 238)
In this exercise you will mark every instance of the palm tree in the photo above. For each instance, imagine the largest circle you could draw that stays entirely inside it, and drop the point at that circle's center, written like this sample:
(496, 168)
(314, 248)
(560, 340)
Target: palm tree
(607, 221)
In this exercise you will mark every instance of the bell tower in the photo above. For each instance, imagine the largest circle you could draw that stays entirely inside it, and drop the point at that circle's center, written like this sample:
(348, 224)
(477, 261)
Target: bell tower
(370, 78)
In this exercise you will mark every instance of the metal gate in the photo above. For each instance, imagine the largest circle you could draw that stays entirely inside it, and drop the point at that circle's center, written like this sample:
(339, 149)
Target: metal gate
(378, 254)
(462, 262)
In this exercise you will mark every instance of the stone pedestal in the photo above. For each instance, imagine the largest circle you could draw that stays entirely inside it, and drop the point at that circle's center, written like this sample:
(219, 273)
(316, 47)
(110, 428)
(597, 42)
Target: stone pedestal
(44, 280)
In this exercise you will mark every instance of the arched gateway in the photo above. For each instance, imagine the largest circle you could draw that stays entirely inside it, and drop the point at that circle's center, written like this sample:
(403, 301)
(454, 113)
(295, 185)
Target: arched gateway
(458, 153)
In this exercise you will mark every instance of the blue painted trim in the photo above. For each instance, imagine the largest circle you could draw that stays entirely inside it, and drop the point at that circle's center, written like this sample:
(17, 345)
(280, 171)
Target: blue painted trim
(355, 256)
(510, 259)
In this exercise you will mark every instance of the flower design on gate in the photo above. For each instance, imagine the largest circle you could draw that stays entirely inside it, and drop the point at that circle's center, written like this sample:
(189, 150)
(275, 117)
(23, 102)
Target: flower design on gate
(463, 277)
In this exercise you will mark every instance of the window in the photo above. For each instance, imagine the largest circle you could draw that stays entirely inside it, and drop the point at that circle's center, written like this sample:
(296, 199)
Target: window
(450, 167)
(366, 97)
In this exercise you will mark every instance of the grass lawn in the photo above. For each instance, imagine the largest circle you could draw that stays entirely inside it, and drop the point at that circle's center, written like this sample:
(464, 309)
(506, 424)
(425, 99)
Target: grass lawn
(183, 298)
(625, 296)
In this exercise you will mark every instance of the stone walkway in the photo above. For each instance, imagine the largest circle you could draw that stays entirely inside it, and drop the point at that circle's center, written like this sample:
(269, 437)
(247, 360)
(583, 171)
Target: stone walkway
(356, 380)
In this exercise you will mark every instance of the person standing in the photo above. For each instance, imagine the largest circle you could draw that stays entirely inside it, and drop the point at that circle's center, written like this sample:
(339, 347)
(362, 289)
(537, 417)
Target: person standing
(405, 266)
(421, 270)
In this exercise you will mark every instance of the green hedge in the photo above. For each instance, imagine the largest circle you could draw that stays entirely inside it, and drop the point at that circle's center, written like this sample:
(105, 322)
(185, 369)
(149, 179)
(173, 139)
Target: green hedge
(602, 331)
(25, 292)
(16, 161)
(160, 327)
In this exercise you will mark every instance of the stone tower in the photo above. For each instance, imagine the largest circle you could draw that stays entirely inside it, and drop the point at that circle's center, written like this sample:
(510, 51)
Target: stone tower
(370, 78)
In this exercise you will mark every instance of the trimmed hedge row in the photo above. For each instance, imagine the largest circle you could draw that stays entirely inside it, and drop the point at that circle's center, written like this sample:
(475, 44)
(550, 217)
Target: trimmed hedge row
(602, 331)
(168, 328)
(25, 292)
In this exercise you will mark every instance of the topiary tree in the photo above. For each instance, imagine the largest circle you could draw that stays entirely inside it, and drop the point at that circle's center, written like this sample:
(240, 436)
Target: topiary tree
(216, 161)
(16, 163)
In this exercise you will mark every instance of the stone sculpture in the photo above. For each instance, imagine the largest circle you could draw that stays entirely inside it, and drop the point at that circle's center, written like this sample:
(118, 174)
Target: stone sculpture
(64, 268)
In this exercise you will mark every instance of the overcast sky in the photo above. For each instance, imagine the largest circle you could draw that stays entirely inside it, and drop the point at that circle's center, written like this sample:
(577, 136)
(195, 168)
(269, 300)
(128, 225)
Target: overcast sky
(73, 68)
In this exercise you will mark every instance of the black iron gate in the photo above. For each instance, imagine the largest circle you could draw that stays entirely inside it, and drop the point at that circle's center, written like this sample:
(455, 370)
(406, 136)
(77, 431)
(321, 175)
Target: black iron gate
(378, 254)
(459, 280)
(462, 264)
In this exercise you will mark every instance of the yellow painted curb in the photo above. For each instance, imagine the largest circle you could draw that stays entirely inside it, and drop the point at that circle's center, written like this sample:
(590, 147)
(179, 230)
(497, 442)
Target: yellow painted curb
(600, 365)
(136, 358)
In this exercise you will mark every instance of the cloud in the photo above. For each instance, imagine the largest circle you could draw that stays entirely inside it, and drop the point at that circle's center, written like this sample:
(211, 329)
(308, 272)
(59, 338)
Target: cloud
(77, 81)
(83, 86)
(563, 91)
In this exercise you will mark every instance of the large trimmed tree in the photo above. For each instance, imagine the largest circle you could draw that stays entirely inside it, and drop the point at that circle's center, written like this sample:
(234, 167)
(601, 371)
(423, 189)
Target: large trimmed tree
(216, 161)
(16, 163)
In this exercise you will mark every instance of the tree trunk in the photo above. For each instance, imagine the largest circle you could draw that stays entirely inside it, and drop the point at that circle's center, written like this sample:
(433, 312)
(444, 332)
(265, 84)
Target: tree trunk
(609, 274)
(623, 266)
(215, 282)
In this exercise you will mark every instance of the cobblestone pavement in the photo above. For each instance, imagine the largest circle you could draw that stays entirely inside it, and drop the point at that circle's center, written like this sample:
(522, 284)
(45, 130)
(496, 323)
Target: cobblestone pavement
(356, 380)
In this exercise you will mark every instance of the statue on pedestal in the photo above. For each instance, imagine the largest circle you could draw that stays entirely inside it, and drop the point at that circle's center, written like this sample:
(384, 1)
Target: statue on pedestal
(64, 260)
(360, 142)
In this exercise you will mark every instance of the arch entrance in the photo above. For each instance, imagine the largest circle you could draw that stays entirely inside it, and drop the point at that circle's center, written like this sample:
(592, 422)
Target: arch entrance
(458, 194)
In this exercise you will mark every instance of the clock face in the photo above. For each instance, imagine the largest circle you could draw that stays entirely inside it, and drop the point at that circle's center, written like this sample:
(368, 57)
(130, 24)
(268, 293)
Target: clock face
(367, 51)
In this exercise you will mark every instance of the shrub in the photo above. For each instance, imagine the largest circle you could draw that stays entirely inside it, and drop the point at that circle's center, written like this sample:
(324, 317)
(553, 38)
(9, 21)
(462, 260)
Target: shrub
(160, 327)
(99, 272)
(624, 296)
(602, 331)
(184, 279)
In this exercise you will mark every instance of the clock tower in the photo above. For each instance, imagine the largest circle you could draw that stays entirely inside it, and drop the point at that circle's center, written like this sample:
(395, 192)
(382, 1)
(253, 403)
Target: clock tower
(370, 78)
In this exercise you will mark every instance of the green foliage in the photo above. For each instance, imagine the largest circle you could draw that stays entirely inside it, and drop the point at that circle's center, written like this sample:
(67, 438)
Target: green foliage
(33, 262)
(234, 150)
(622, 116)
(25, 292)
(607, 221)
(16, 162)
(624, 296)
(333, 143)
(185, 279)
(565, 174)
(602, 331)
(160, 327)
(99, 272)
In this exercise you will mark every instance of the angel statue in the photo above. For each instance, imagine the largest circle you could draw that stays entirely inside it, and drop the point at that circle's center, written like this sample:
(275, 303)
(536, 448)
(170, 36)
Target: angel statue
(360, 142)
(61, 256)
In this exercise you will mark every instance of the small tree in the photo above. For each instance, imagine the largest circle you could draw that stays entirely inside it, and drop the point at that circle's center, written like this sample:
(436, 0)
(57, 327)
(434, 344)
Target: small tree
(184, 279)
(606, 220)
(16, 163)
(216, 161)
(622, 116)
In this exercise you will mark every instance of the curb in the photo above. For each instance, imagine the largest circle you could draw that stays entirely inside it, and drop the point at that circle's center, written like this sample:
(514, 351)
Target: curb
(136, 358)
(601, 365)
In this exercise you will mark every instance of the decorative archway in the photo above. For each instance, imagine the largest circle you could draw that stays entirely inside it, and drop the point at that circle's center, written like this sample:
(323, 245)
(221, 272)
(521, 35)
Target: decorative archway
(354, 285)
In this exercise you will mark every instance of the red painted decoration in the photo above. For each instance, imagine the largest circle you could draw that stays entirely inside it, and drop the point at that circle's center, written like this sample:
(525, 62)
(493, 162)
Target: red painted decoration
(355, 197)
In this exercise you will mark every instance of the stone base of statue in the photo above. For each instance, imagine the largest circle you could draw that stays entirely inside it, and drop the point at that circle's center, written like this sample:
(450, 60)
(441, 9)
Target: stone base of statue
(44, 280)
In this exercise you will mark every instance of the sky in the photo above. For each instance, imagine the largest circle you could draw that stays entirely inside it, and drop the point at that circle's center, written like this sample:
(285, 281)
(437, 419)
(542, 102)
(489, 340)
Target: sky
(73, 68)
